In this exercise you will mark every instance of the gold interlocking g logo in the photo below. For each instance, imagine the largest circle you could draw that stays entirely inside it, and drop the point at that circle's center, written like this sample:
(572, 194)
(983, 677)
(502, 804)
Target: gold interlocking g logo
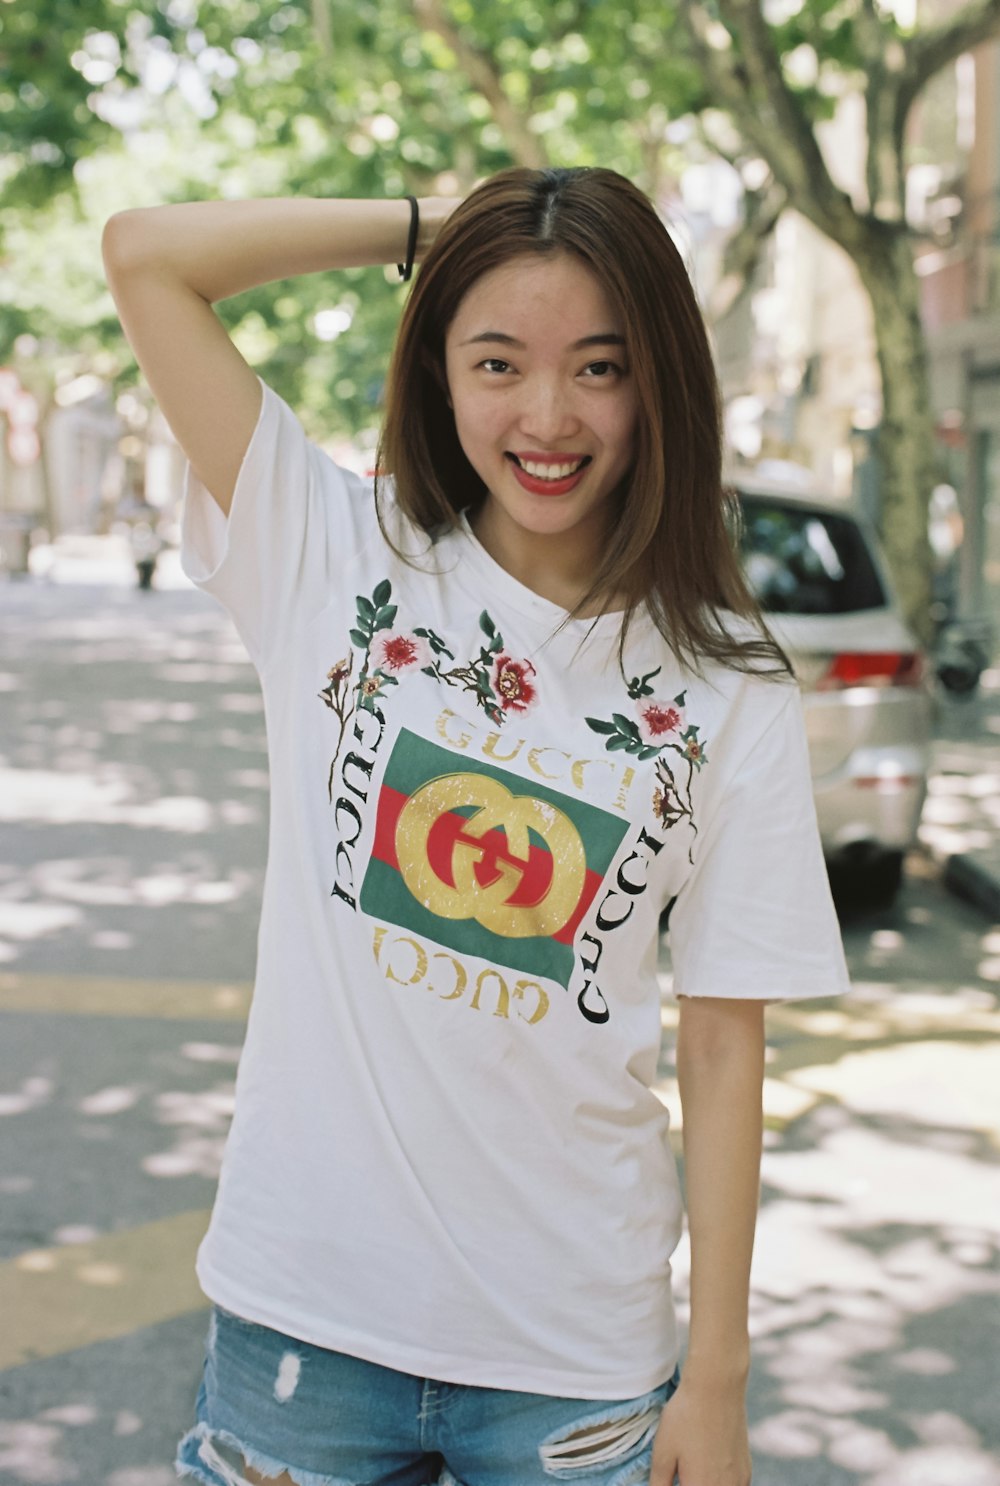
(481, 867)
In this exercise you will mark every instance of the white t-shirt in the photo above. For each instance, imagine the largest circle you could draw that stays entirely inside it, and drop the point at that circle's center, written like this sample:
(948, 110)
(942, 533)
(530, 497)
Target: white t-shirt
(446, 1155)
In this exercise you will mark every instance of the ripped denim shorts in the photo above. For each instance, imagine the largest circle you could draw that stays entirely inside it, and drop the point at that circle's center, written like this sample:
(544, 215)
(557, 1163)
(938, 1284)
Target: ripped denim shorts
(277, 1405)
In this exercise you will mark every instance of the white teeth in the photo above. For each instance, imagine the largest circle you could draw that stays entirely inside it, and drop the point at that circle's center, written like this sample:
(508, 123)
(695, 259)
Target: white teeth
(549, 471)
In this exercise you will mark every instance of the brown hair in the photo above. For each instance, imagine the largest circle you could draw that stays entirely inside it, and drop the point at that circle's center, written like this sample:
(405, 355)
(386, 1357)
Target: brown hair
(674, 543)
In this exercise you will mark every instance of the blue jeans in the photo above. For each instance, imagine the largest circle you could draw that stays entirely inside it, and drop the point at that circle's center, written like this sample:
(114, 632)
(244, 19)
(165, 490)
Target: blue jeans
(333, 1420)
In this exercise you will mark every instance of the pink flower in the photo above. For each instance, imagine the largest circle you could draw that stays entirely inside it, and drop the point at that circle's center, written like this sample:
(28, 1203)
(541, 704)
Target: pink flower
(510, 680)
(659, 722)
(397, 651)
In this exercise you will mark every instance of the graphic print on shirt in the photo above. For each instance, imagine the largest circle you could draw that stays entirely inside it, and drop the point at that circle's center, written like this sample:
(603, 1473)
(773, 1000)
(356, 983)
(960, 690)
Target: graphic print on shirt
(484, 862)
(481, 860)
(500, 683)
(656, 727)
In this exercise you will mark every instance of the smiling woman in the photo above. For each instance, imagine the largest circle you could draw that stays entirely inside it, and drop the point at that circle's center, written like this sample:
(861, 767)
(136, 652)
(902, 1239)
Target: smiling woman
(549, 430)
(573, 324)
(521, 702)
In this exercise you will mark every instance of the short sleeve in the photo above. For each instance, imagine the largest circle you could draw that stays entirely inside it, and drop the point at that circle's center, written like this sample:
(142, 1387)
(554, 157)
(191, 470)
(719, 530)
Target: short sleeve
(295, 521)
(755, 920)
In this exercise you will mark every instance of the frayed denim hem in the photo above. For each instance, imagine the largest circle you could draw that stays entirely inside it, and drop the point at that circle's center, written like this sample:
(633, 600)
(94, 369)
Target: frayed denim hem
(197, 1456)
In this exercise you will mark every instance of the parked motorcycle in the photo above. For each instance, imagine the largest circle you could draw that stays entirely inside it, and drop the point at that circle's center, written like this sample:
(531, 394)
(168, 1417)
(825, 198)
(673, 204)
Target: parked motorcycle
(961, 651)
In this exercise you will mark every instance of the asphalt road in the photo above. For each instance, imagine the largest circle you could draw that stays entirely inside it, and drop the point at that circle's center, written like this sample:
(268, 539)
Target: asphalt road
(133, 798)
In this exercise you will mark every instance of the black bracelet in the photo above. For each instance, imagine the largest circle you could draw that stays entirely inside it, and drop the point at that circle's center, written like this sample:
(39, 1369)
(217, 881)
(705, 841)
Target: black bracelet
(406, 269)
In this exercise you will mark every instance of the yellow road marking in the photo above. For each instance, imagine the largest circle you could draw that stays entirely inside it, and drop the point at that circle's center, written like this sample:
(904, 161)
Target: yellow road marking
(91, 995)
(55, 1300)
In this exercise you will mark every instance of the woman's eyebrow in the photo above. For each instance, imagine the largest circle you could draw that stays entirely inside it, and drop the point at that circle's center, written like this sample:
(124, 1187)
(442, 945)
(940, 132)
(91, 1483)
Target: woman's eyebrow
(500, 338)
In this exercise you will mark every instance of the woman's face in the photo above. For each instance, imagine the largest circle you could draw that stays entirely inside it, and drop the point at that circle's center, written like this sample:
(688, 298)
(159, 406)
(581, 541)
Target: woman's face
(544, 403)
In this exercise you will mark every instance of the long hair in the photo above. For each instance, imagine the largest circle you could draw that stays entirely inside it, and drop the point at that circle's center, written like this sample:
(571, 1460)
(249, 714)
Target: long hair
(674, 541)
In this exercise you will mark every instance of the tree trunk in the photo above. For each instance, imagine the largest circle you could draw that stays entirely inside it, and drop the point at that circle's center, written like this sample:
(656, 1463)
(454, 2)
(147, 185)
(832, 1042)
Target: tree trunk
(906, 434)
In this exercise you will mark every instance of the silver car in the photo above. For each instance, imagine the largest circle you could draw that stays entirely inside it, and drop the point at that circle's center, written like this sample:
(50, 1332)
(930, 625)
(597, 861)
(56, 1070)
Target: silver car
(816, 568)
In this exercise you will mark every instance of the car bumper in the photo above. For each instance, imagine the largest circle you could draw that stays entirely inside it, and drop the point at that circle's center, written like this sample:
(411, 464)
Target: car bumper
(877, 797)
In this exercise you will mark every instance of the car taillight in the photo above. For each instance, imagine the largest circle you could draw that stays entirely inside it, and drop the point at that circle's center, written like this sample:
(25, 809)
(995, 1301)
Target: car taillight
(872, 668)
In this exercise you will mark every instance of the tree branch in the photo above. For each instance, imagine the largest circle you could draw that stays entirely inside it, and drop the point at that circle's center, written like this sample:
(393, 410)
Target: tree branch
(762, 208)
(795, 158)
(883, 172)
(749, 85)
(928, 51)
(481, 70)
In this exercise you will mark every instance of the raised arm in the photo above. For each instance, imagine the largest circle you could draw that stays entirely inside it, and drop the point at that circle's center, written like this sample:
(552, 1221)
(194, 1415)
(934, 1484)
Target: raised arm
(168, 265)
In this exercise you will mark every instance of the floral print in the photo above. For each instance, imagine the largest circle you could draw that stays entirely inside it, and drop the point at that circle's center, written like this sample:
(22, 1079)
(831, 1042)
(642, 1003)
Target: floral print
(658, 722)
(500, 683)
(657, 727)
(511, 680)
(335, 694)
(398, 651)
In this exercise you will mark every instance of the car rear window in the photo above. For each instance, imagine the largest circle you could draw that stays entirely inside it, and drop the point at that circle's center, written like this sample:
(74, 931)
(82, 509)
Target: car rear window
(799, 561)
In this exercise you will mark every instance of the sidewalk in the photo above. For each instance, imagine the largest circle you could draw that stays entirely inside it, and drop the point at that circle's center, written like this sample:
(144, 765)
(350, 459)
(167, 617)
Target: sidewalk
(960, 829)
(83, 557)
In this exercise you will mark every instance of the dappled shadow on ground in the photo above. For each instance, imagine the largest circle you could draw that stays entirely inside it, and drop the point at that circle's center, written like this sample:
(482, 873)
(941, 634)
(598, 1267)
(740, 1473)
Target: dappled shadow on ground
(106, 1416)
(113, 1122)
(876, 1277)
(133, 779)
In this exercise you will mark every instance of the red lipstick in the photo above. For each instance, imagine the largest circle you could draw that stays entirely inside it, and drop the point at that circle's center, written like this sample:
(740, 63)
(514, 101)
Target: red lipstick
(538, 485)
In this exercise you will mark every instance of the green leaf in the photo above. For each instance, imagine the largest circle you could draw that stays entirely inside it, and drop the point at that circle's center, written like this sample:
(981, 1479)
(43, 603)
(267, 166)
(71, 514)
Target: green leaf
(384, 617)
(358, 637)
(625, 725)
(616, 743)
(648, 752)
(366, 608)
(597, 726)
(382, 592)
(486, 624)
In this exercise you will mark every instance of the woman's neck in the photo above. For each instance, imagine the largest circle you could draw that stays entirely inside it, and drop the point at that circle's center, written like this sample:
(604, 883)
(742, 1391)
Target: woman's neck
(548, 565)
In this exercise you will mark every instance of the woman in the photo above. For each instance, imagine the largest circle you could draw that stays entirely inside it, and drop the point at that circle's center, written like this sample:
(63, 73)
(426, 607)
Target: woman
(519, 702)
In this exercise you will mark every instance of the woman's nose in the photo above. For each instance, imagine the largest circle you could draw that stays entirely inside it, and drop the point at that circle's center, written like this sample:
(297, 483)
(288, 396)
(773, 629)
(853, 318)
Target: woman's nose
(547, 414)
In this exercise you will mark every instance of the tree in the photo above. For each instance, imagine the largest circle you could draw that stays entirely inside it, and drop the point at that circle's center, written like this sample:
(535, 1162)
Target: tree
(372, 97)
(336, 97)
(861, 48)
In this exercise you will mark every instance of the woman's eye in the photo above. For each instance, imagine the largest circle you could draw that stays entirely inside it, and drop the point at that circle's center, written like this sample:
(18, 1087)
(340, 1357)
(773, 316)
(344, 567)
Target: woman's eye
(603, 369)
(495, 364)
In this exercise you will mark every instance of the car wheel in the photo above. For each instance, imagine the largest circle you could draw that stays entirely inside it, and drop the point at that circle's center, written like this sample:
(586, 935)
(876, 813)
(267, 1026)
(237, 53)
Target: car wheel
(866, 876)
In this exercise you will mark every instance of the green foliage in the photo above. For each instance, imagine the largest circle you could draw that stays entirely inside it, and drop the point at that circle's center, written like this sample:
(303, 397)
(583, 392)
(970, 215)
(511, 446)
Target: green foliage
(106, 104)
